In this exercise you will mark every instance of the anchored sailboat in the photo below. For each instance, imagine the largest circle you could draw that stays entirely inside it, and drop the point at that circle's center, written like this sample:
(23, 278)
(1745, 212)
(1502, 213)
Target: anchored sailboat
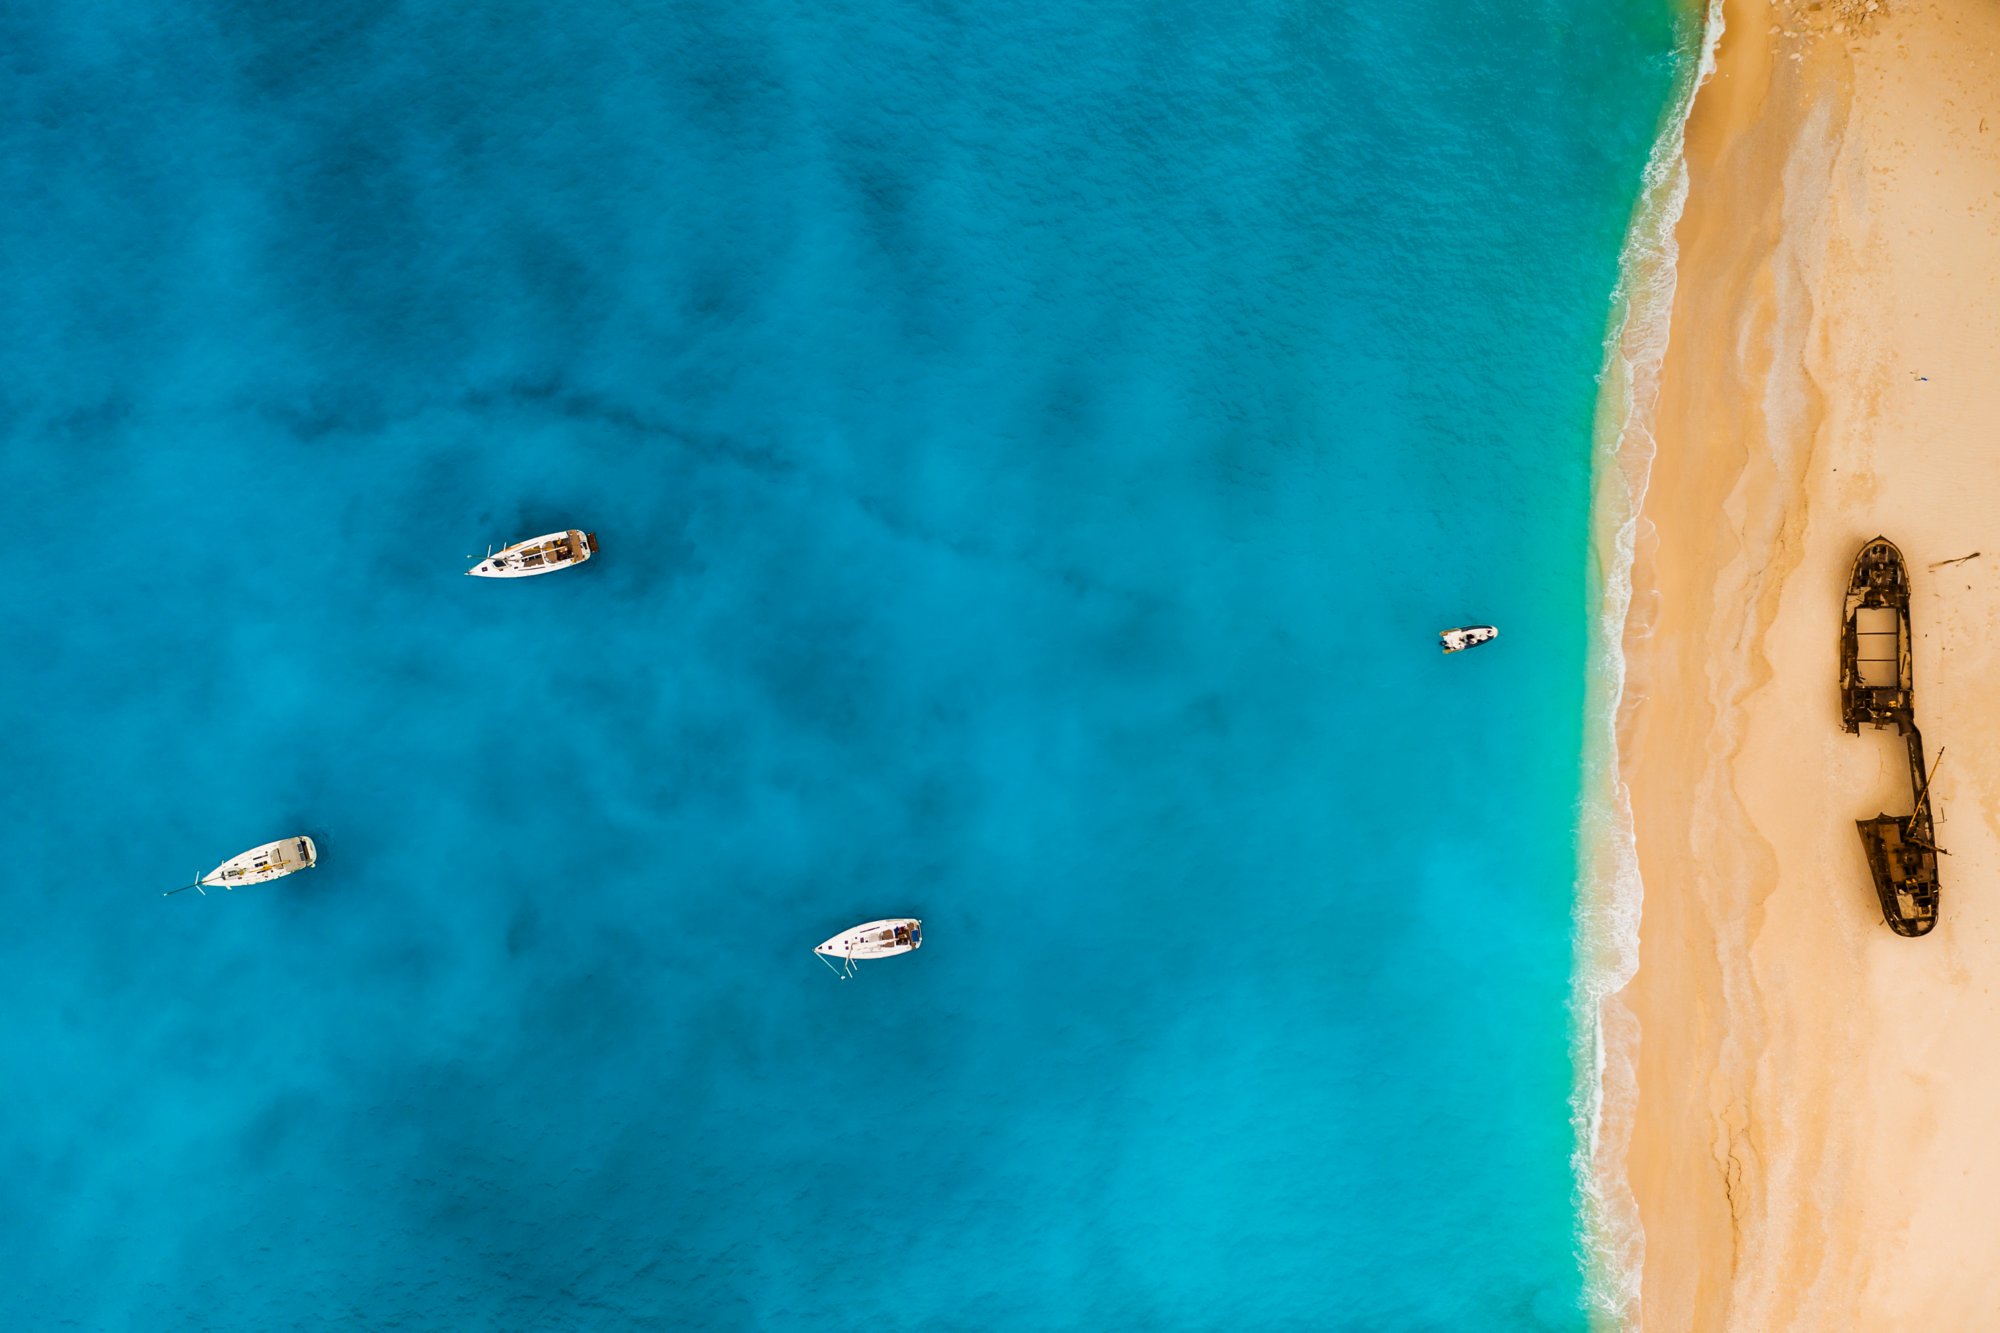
(259, 865)
(876, 939)
(537, 555)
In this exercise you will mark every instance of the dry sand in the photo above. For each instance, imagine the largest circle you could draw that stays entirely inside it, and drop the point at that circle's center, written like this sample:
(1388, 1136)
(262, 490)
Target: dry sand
(1816, 1140)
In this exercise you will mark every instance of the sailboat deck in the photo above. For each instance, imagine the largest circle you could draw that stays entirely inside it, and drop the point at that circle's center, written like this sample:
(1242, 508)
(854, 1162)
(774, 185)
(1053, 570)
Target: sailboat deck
(557, 552)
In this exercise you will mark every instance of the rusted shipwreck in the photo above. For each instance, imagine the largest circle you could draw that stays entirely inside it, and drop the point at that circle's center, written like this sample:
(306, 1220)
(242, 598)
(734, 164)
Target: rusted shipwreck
(1876, 687)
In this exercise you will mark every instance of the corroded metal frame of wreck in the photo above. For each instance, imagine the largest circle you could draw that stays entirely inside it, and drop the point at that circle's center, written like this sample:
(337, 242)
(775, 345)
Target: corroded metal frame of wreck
(1876, 687)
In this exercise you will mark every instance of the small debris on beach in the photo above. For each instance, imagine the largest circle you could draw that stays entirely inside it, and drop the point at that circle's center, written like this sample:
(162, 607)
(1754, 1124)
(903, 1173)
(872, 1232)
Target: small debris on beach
(1819, 17)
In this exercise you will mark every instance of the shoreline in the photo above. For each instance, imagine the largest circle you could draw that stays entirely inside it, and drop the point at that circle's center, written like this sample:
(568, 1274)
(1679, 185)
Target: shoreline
(1758, 1089)
(1608, 876)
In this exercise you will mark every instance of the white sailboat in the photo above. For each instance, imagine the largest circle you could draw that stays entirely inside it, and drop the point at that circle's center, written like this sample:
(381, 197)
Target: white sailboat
(259, 865)
(875, 939)
(538, 555)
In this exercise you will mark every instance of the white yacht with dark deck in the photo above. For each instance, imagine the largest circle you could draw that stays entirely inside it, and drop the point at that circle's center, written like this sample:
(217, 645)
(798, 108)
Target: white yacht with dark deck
(537, 555)
(877, 939)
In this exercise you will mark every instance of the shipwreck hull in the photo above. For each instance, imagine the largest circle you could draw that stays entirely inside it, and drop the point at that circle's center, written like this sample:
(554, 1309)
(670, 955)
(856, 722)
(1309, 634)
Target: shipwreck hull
(1904, 865)
(1875, 676)
(1877, 687)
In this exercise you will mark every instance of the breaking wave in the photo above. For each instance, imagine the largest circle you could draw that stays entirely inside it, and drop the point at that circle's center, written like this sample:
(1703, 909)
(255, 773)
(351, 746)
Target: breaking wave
(1609, 891)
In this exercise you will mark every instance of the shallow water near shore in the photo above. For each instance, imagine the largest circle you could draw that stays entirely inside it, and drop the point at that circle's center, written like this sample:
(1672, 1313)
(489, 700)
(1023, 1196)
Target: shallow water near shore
(1032, 451)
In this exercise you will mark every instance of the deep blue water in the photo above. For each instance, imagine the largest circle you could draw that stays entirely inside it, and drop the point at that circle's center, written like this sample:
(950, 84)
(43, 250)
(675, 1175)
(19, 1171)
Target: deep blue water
(1032, 446)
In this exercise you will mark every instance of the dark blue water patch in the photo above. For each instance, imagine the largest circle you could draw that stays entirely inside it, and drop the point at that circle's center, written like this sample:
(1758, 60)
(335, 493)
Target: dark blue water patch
(1031, 449)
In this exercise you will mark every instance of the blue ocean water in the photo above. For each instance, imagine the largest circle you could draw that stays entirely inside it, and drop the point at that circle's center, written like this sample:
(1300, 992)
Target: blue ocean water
(1032, 447)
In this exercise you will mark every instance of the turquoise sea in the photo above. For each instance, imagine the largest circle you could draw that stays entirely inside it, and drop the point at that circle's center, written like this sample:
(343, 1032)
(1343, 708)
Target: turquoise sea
(1032, 446)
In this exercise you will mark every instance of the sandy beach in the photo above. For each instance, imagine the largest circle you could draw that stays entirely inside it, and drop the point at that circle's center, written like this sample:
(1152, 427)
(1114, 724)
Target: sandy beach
(1812, 1143)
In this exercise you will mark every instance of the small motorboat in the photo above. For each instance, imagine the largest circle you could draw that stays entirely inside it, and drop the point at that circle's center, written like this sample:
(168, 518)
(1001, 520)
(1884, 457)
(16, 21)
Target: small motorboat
(259, 865)
(1466, 636)
(876, 939)
(537, 555)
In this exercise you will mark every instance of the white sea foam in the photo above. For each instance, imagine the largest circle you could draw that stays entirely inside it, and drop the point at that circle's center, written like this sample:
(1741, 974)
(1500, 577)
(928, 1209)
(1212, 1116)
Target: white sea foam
(1609, 891)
